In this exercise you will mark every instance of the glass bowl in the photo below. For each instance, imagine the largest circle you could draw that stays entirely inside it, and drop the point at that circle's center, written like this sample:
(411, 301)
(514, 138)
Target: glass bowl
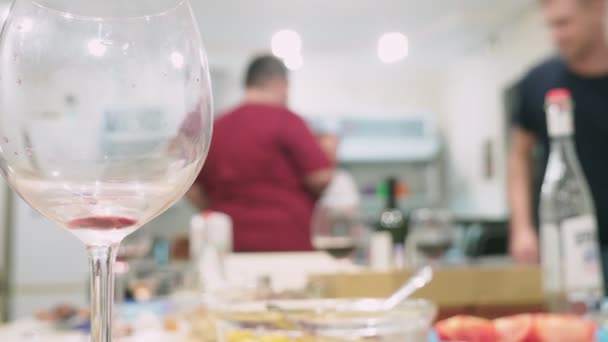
(324, 320)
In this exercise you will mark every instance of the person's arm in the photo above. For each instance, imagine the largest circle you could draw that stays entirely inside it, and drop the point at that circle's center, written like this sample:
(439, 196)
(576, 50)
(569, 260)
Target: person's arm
(301, 146)
(318, 181)
(196, 196)
(523, 245)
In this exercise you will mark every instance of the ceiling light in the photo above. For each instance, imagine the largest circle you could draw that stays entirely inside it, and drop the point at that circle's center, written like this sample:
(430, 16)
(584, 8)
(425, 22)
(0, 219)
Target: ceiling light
(392, 47)
(286, 43)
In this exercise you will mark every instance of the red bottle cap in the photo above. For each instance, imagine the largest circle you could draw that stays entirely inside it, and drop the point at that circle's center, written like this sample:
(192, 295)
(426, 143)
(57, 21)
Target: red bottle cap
(559, 105)
(558, 94)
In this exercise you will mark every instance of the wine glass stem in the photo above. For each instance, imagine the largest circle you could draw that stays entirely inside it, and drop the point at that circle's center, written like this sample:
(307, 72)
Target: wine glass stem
(102, 259)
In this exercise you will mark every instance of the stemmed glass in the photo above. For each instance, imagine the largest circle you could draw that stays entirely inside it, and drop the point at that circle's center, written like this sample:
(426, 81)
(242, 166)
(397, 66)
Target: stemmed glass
(431, 236)
(105, 119)
(337, 230)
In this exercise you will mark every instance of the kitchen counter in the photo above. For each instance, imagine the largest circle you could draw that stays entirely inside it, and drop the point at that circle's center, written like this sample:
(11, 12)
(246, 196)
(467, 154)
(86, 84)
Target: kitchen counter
(487, 290)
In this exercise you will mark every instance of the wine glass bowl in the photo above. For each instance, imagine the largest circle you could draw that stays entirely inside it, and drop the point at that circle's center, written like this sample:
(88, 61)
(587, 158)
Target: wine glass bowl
(431, 236)
(100, 106)
(105, 118)
(336, 230)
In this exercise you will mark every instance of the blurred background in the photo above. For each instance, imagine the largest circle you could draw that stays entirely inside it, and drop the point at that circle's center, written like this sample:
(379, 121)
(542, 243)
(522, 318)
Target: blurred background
(416, 90)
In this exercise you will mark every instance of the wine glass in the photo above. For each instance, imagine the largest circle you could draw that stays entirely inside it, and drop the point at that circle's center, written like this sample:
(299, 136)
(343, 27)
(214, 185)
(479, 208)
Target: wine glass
(431, 236)
(337, 230)
(105, 119)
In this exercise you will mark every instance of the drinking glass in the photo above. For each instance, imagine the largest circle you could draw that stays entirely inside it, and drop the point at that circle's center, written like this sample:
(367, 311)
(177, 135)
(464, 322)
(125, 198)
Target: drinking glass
(337, 230)
(105, 119)
(431, 236)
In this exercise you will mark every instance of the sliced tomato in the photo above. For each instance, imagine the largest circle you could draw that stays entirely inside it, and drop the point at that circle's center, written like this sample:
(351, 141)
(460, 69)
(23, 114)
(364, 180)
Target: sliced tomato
(467, 329)
(515, 328)
(562, 328)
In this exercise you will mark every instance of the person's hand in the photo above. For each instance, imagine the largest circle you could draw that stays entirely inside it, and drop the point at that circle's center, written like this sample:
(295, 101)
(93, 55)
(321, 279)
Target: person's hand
(523, 245)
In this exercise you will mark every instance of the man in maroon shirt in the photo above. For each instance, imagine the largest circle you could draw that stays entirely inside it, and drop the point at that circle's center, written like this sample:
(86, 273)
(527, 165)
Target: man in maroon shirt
(265, 168)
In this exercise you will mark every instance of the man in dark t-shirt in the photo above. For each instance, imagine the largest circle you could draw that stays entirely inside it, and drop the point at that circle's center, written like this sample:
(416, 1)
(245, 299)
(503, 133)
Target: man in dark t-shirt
(265, 168)
(577, 28)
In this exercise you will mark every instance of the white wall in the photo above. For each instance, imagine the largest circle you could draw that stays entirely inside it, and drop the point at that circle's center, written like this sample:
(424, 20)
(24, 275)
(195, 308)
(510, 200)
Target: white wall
(362, 86)
(49, 264)
(337, 85)
(473, 113)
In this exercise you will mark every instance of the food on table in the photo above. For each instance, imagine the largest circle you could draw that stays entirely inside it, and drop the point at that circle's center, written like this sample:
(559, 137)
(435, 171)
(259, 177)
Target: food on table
(249, 336)
(515, 328)
(122, 329)
(467, 329)
(171, 324)
(62, 313)
(202, 326)
(240, 336)
(262, 293)
(143, 290)
(324, 321)
(562, 328)
(202, 323)
(519, 328)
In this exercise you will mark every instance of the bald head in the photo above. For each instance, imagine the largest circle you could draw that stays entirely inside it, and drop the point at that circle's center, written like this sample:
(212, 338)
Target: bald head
(576, 26)
(264, 69)
(266, 80)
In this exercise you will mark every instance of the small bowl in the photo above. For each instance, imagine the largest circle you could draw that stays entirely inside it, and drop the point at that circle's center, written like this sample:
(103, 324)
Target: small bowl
(324, 320)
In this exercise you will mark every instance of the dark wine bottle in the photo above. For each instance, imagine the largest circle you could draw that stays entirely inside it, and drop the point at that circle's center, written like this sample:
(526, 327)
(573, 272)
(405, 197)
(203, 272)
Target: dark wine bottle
(392, 219)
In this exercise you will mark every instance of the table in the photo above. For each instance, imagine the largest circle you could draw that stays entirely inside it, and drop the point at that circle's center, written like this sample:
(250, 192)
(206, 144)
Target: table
(30, 330)
(489, 291)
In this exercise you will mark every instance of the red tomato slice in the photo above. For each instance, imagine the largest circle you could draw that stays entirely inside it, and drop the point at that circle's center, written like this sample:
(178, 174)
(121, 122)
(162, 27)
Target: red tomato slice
(562, 328)
(467, 329)
(514, 328)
